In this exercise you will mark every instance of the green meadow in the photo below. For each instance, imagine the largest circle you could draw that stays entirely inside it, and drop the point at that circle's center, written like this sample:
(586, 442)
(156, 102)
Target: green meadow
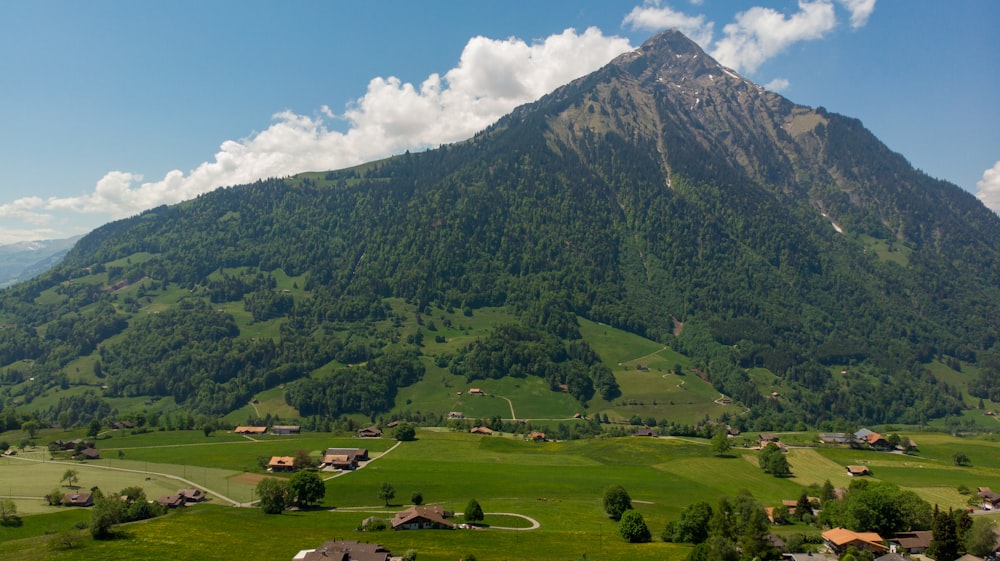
(558, 484)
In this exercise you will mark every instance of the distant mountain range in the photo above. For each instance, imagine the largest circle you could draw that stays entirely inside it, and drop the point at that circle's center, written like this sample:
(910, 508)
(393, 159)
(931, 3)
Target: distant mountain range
(25, 260)
(783, 250)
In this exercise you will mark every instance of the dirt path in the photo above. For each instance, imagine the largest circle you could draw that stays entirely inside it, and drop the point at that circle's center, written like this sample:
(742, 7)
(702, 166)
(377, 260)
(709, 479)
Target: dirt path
(534, 523)
(513, 417)
(654, 353)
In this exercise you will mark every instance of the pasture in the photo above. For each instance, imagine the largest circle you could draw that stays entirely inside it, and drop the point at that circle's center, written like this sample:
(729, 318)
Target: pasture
(559, 484)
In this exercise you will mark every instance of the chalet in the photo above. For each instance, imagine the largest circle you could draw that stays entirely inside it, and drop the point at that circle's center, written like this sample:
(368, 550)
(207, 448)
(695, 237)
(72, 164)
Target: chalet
(119, 425)
(857, 471)
(476, 391)
(645, 432)
(286, 429)
(990, 500)
(192, 495)
(911, 542)
(733, 431)
(281, 463)
(250, 430)
(456, 415)
(536, 436)
(88, 454)
(343, 458)
(766, 437)
(481, 430)
(642, 367)
(834, 438)
(876, 441)
(341, 550)
(171, 501)
(370, 432)
(839, 539)
(862, 434)
(78, 499)
(423, 518)
(392, 425)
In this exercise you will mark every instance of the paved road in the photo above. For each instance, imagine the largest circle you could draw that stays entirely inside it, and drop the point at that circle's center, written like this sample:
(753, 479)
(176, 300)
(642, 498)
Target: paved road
(534, 523)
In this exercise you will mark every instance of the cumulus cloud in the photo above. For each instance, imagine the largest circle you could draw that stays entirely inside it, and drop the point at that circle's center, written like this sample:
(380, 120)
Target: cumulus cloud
(759, 34)
(860, 10)
(777, 85)
(491, 78)
(652, 16)
(989, 188)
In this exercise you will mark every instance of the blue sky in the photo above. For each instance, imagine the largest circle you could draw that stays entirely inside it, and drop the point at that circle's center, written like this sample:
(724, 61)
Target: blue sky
(111, 107)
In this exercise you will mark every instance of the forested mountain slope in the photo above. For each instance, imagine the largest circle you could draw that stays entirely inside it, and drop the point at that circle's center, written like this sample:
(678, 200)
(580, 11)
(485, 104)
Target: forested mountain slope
(663, 194)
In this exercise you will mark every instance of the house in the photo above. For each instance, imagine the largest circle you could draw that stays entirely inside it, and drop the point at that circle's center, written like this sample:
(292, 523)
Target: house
(370, 432)
(343, 458)
(990, 500)
(88, 454)
(766, 437)
(481, 430)
(911, 542)
(839, 539)
(118, 425)
(645, 432)
(857, 471)
(476, 391)
(392, 425)
(171, 501)
(345, 550)
(250, 430)
(192, 495)
(536, 436)
(456, 415)
(78, 499)
(833, 438)
(808, 557)
(423, 518)
(892, 556)
(286, 429)
(281, 463)
(877, 441)
(862, 434)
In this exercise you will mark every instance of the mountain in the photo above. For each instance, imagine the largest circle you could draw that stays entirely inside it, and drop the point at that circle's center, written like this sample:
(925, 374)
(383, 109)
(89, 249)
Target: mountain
(24, 260)
(775, 246)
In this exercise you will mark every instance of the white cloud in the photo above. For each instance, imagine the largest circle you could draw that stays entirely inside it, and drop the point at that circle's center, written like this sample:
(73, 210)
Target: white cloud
(860, 10)
(652, 16)
(492, 78)
(777, 85)
(759, 34)
(989, 188)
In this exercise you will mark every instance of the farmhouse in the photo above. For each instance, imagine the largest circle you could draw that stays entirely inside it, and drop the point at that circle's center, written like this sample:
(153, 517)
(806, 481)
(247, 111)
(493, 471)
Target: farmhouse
(857, 471)
(171, 501)
(990, 500)
(250, 430)
(476, 391)
(88, 454)
(423, 518)
(644, 432)
(766, 437)
(191, 495)
(911, 542)
(833, 438)
(481, 430)
(456, 415)
(286, 429)
(78, 499)
(536, 436)
(343, 458)
(370, 432)
(281, 463)
(839, 539)
(344, 551)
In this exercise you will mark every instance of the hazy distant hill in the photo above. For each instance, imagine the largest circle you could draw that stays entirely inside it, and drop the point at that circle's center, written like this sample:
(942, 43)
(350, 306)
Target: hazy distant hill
(775, 245)
(24, 260)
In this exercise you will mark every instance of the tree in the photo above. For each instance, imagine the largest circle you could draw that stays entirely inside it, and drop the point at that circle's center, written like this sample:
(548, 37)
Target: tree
(827, 492)
(274, 495)
(802, 506)
(302, 460)
(106, 512)
(417, 498)
(30, 427)
(616, 501)
(8, 513)
(980, 540)
(474, 512)
(55, 497)
(405, 432)
(961, 459)
(720, 442)
(386, 492)
(772, 460)
(94, 428)
(632, 527)
(944, 543)
(71, 477)
(693, 525)
(306, 488)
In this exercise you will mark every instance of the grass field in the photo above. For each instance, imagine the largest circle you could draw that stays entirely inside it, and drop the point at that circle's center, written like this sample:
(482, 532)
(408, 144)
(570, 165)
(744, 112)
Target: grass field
(559, 484)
